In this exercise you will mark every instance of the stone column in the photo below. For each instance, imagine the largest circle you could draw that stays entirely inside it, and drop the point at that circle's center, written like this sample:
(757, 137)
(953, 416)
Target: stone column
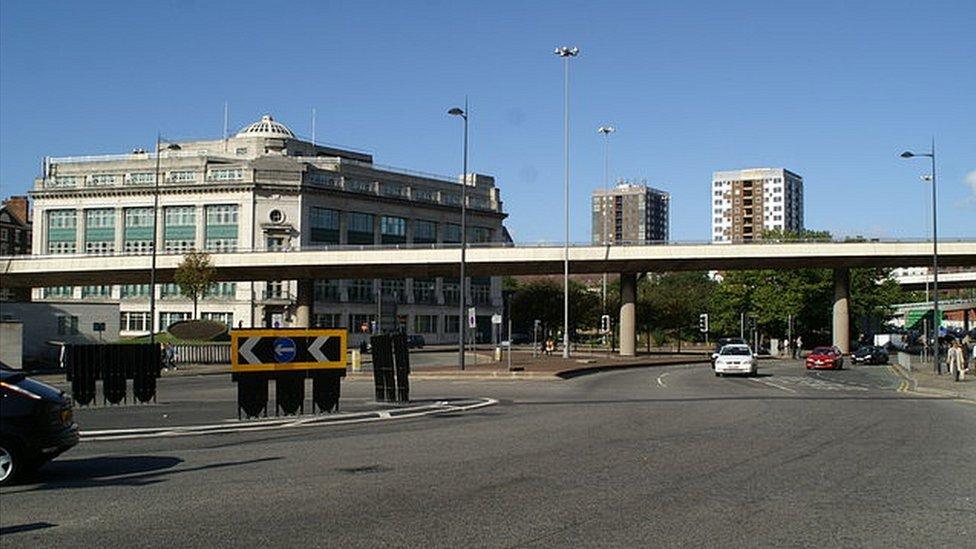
(303, 303)
(842, 319)
(628, 314)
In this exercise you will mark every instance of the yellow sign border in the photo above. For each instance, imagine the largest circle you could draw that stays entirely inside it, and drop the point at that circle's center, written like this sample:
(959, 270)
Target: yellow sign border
(238, 333)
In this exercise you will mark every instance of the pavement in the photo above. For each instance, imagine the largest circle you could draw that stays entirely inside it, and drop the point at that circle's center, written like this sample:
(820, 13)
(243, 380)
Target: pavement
(923, 379)
(667, 456)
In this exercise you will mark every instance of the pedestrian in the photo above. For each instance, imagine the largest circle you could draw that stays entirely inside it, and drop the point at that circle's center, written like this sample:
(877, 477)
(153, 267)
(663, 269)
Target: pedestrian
(169, 356)
(786, 348)
(550, 345)
(798, 347)
(956, 361)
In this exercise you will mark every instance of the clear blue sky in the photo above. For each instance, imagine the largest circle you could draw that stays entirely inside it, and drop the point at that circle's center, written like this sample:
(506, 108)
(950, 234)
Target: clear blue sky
(832, 90)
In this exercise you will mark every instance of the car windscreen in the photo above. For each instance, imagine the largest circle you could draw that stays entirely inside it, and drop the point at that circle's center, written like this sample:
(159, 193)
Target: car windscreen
(735, 351)
(822, 351)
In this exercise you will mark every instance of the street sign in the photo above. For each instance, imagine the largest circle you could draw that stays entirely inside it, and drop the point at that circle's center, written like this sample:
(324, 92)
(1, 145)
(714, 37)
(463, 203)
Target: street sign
(496, 319)
(254, 350)
(98, 326)
(472, 318)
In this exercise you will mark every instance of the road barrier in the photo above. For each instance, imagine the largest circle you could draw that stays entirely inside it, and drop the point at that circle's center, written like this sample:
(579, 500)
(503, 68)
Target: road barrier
(211, 353)
(391, 367)
(289, 357)
(114, 365)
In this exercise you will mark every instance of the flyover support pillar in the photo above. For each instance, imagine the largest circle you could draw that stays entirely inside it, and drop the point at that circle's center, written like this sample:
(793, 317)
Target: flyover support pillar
(628, 314)
(842, 318)
(303, 304)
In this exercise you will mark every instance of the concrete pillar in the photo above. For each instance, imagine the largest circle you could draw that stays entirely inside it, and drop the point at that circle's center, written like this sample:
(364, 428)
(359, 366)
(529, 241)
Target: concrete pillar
(303, 303)
(628, 314)
(842, 318)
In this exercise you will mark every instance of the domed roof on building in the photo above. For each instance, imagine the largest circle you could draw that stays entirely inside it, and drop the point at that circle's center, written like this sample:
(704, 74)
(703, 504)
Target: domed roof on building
(266, 127)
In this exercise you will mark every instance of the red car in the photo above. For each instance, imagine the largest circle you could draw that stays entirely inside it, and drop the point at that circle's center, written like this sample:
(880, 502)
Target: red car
(825, 358)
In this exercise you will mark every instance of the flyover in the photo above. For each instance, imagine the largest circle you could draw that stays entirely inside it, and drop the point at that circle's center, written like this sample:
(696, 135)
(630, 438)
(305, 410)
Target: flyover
(308, 264)
(947, 281)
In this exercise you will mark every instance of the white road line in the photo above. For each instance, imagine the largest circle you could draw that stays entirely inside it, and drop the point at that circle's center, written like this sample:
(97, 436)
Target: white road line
(771, 384)
(660, 379)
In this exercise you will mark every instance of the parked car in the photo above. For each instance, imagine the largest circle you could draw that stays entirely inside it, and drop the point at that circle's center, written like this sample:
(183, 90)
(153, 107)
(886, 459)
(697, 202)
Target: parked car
(36, 424)
(870, 354)
(825, 358)
(736, 359)
(415, 342)
(722, 342)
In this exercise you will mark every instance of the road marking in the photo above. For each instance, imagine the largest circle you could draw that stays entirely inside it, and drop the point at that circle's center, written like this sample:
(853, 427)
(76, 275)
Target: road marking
(439, 407)
(771, 384)
(660, 379)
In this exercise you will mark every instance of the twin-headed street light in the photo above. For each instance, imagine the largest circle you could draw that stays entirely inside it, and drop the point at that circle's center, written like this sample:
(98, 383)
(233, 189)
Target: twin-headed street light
(567, 53)
(936, 320)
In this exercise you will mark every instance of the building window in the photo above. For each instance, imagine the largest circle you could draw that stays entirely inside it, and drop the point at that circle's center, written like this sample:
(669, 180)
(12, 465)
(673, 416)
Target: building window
(221, 245)
(100, 248)
(141, 178)
(61, 181)
(425, 324)
(61, 247)
(183, 176)
(424, 195)
(325, 225)
(222, 214)
(479, 234)
(327, 320)
(134, 321)
(361, 290)
(360, 228)
(451, 290)
(103, 218)
(226, 174)
(178, 246)
(451, 199)
(134, 290)
(359, 186)
(361, 323)
(424, 232)
(326, 290)
(102, 179)
(180, 216)
(424, 290)
(224, 318)
(452, 233)
(275, 243)
(138, 217)
(59, 292)
(168, 319)
(221, 290)
(393, 189)
(276, 216)
(170, 291)
(394, 287)
(452, 324)
(138, 247)
(67, 325)
(393, 230)
(481, 291)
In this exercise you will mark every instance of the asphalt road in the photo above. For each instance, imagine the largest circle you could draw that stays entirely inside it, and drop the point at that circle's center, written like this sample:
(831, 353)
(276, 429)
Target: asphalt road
(652, 457)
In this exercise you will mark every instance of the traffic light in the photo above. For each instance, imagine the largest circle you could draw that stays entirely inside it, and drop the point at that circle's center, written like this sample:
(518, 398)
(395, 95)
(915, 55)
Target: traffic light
(605, 324)
(703, 323)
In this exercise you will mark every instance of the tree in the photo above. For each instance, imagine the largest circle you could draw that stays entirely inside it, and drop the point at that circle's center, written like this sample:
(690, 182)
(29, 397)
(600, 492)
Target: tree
(194, 275)
(543, 300)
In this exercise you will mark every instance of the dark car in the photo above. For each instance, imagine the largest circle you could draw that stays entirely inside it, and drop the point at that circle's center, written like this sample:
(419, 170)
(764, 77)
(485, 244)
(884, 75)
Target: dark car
(36, 424)
(415, 342)
(870, 354)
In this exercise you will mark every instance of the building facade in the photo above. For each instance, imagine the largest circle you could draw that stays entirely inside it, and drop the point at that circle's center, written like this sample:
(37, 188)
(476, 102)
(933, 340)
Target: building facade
(630, 213)
(746, 203)
(15, 238)
(265, 190)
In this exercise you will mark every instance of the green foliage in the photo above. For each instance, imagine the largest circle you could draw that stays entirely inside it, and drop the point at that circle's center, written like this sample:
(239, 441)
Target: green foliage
(194, 275)
(543, 300)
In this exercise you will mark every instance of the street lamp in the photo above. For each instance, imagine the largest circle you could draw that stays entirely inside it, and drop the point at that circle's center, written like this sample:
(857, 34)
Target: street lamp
(463, 113)
(936, 321)
(155, 240)
(606, 131)
(566, 52)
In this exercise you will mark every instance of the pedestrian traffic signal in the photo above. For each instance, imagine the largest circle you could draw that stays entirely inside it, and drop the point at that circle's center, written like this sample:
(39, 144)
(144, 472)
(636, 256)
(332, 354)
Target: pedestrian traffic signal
(703, 323)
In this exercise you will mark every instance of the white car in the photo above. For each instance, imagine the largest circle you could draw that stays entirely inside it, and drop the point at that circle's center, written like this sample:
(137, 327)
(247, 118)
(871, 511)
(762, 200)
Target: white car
(735, 359)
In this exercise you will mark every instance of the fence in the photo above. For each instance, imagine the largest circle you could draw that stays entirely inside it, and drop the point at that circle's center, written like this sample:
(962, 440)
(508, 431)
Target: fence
(211, 353)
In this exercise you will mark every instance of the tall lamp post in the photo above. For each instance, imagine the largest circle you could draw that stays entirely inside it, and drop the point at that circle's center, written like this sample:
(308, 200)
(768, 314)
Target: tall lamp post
(606, 131)
(463, 113)
(155, 240)
(936, 321)
(566, 52)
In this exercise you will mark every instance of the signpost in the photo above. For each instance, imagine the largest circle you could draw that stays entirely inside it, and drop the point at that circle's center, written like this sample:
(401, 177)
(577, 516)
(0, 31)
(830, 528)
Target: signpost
(288, 356)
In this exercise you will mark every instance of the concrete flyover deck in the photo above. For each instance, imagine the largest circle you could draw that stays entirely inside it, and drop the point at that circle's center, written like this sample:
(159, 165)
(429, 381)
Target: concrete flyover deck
(492, 260)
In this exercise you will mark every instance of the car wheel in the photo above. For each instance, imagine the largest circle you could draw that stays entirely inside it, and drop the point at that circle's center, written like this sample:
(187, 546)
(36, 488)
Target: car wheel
(718, 374)
(11, 462)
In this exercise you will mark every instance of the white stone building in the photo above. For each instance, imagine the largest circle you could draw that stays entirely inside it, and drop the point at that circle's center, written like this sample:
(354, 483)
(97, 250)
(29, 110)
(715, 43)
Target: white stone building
(264, 189)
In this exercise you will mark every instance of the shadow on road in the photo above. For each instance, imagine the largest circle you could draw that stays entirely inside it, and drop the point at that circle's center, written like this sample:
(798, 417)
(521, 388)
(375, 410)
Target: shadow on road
(29, 527)
(130, 471)
(679, 400)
